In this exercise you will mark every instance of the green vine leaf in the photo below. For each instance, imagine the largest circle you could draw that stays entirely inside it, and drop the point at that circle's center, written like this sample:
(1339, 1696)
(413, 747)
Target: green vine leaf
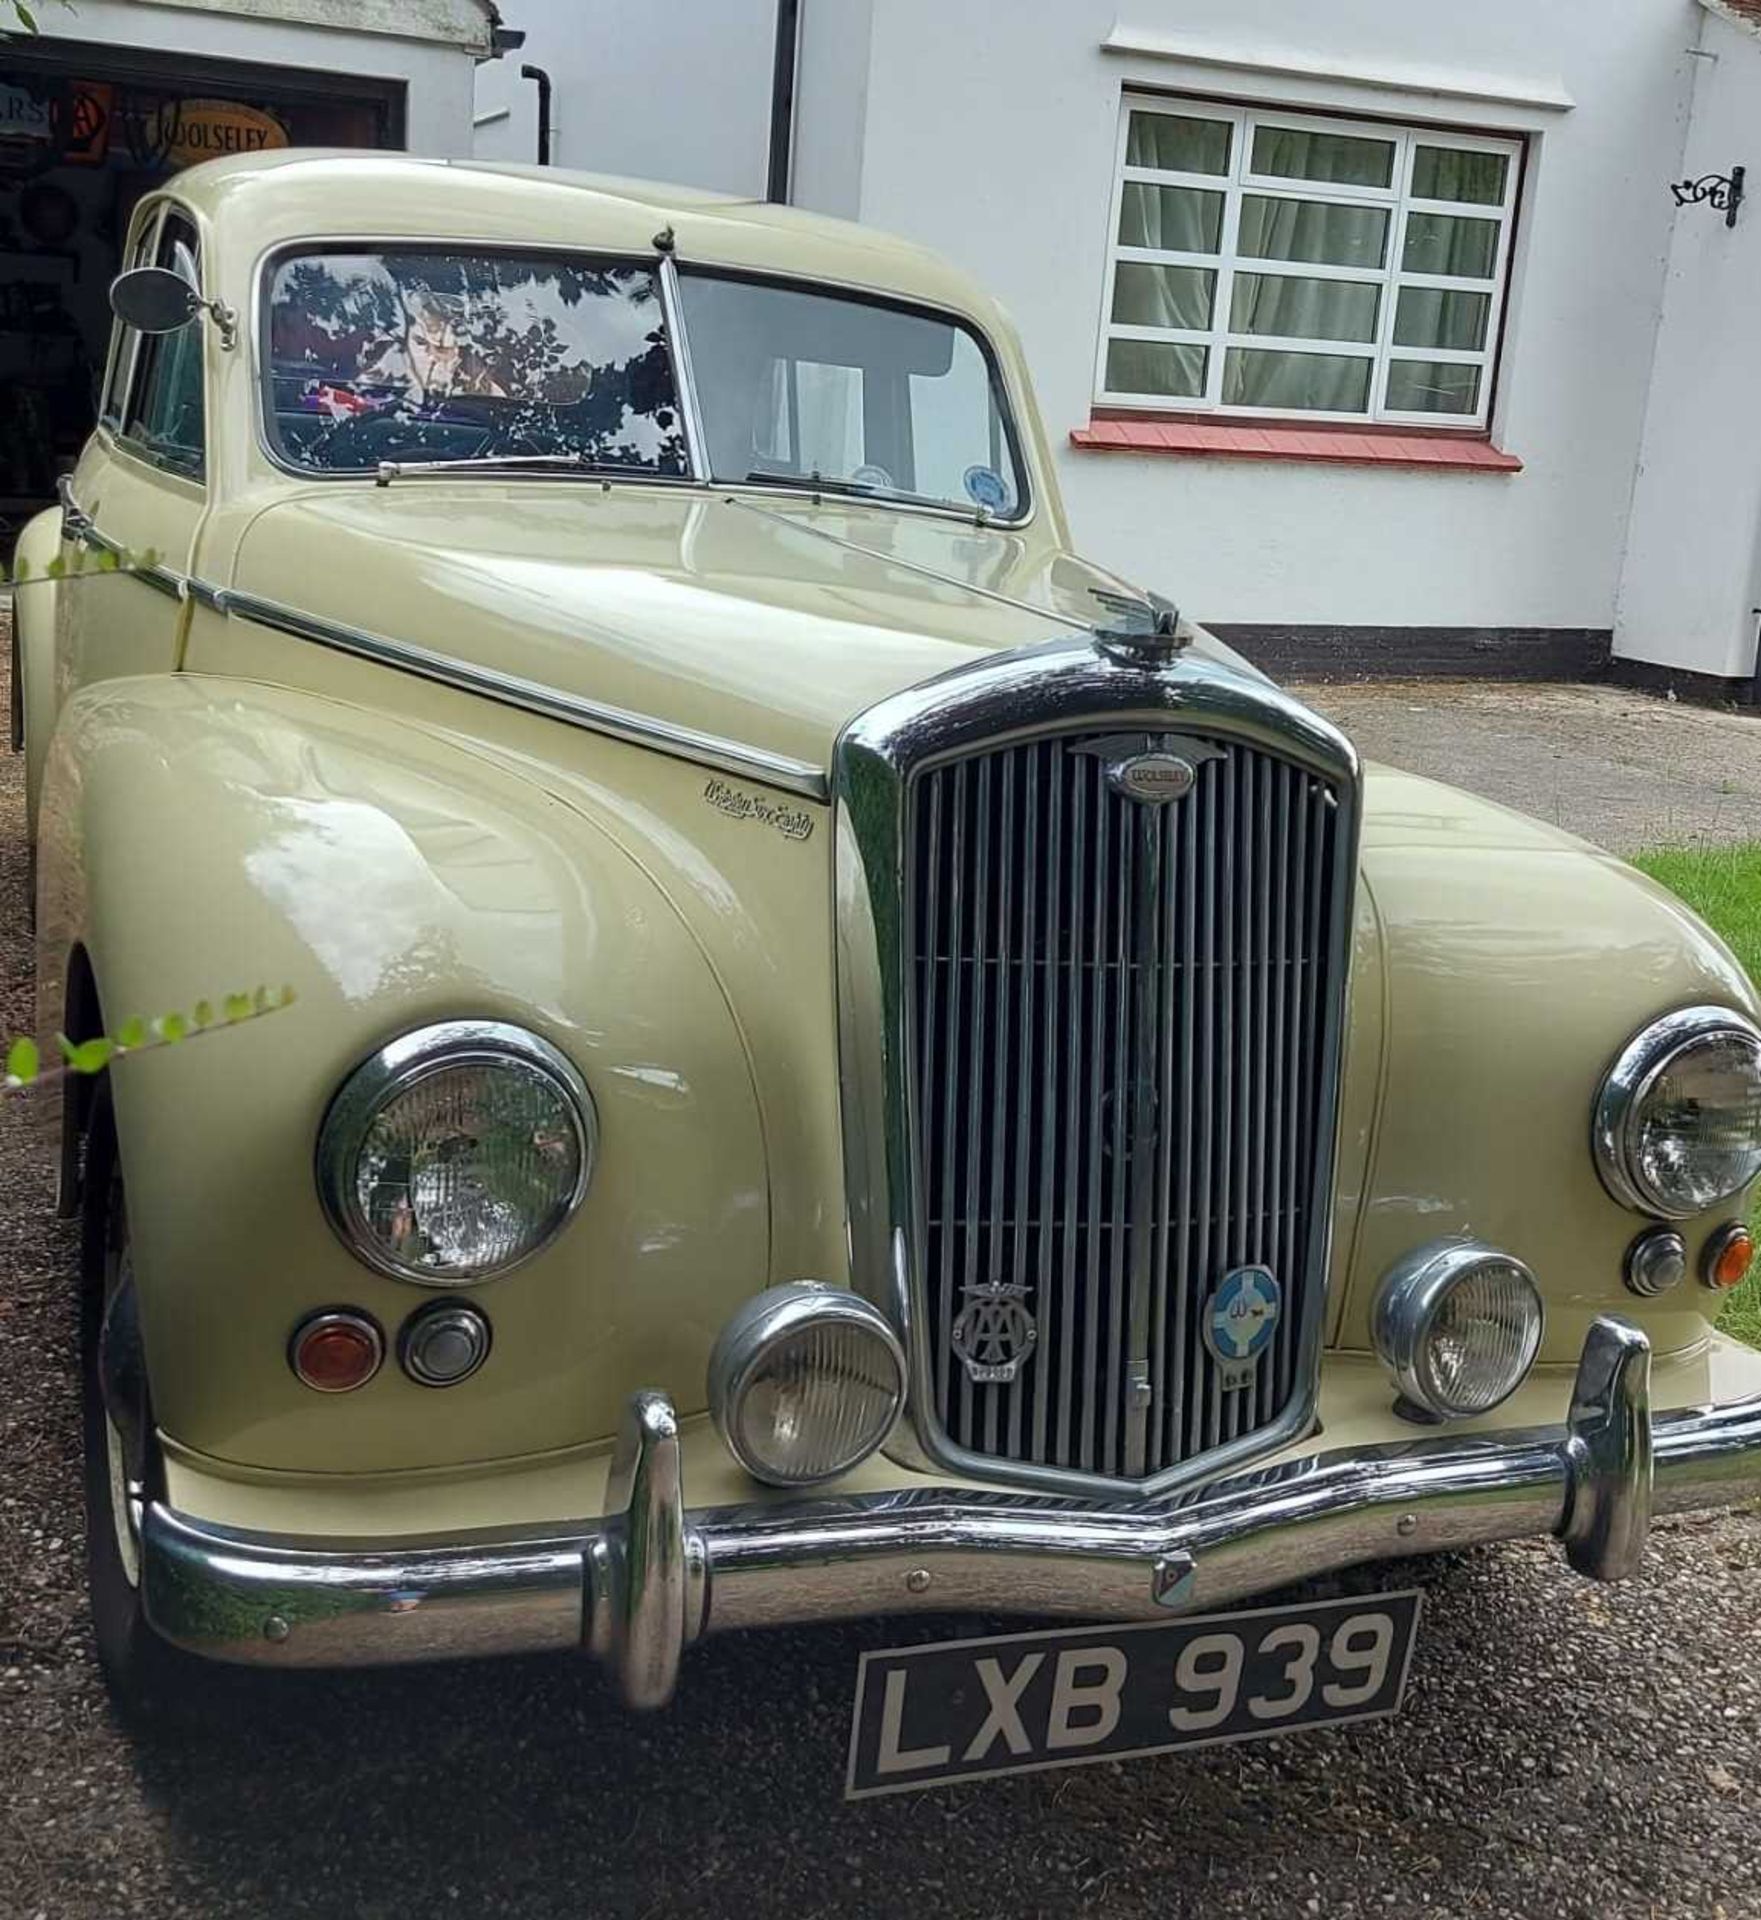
(86, 1056)
(23, 1061)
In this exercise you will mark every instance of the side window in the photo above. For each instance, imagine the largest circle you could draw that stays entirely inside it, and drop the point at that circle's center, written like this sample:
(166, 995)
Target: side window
(116, 385)
(164, 414)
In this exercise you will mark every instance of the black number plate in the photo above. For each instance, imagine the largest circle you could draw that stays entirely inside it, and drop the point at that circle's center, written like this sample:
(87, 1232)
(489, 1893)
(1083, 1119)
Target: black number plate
(967, 1709)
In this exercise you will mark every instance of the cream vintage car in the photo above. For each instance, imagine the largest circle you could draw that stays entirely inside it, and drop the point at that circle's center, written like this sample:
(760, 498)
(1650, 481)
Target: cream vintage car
(846, 1061)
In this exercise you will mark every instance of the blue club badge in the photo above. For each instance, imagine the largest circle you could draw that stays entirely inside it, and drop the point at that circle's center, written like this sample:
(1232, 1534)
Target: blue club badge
(1240, 1320)
(987, 488)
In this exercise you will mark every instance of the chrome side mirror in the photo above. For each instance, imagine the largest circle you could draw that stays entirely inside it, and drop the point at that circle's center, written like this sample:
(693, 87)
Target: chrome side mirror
(154, 299)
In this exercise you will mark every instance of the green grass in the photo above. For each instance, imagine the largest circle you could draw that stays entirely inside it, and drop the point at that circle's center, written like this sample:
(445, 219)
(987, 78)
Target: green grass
(1723, 886)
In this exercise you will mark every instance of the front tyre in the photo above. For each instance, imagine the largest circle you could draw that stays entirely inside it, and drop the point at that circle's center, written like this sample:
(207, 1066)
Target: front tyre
(139, 1667)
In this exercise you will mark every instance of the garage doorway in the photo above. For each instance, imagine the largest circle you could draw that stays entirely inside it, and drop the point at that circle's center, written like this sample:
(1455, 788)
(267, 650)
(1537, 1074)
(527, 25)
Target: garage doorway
(84, 132)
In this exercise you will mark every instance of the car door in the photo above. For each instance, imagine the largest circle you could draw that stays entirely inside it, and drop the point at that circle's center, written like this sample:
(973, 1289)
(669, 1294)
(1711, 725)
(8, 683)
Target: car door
(139, 493)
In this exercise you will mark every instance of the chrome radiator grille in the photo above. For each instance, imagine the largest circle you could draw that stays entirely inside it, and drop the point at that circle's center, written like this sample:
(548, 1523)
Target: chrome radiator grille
(1119, 1015)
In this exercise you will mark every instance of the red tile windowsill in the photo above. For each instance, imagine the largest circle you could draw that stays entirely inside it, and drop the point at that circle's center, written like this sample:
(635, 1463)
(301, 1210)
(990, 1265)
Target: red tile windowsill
(1355, 446)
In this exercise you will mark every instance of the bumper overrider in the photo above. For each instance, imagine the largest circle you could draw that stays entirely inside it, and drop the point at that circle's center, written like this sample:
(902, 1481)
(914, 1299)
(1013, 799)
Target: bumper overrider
(640, 1585)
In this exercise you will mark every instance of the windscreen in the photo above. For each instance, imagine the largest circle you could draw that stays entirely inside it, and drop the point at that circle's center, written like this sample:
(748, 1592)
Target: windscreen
(412, 356)
(796, 384)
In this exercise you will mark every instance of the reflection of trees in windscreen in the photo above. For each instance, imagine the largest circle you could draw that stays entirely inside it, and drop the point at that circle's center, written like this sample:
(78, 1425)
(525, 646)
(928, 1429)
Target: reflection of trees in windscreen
(489, 355)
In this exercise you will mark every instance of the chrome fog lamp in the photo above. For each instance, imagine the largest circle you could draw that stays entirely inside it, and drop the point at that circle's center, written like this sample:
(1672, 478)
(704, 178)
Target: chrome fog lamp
(1677, 1127)
(456, 1152)
(805, 1383)
(1458, 1326)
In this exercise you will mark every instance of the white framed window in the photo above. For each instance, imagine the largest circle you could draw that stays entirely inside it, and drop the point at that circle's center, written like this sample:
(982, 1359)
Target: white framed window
(1274, 263)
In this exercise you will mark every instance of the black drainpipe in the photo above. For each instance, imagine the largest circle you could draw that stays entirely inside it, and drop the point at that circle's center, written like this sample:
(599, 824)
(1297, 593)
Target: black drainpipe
(543, 79)
(782, 100)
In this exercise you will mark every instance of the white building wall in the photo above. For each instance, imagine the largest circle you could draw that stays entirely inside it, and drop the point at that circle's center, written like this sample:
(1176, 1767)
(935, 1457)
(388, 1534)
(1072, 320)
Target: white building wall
(435, 61)
(988, 130)
(662, 90)
(995, 143)
(1691, 593)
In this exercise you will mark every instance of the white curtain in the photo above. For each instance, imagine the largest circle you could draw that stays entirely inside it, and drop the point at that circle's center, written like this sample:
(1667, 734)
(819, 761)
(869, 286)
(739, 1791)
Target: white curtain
(1296, 382)
(1302, 309)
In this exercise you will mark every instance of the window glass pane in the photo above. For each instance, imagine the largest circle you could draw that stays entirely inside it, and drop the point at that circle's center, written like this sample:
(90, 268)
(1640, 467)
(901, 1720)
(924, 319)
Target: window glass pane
(1176, 219)
(1340, 157)
(1328, 382)
(125, 339)
(1313, 230)
(1435, 317)
(1175, 144)
(1448, 243)
(1165, 368)
(1146, 296)
(1305, 309)
(1432, 386)
(795, 381)
(1453, 173)
(400, 354)
(165, 413)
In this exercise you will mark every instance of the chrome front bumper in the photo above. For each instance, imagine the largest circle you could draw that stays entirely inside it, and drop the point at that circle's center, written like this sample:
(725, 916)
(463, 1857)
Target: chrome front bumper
(642, 1584)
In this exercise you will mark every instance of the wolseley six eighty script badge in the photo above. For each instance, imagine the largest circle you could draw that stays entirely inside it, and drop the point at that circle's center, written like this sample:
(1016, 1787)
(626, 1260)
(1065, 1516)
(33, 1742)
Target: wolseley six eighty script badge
(994, 1334)
(793, 823)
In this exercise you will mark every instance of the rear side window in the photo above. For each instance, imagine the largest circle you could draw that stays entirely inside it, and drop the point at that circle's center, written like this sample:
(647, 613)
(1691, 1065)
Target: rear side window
(165, 415)
(127, 340)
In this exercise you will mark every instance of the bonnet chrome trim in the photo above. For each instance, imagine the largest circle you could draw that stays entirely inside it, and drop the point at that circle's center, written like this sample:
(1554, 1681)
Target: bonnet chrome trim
(529, 696)
(1050, 689)
(509, 689)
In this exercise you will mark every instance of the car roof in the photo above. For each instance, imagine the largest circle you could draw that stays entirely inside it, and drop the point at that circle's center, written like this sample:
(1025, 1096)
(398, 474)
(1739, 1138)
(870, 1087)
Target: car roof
(256, 202)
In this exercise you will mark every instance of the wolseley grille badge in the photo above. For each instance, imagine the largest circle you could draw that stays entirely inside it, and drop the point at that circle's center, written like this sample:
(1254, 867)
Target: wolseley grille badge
(1153, 778)
(994, 1334)
(1154, 769)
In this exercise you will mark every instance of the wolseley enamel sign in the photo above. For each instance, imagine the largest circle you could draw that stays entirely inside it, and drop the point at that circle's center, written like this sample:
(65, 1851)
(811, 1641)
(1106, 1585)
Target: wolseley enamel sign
(192, 130)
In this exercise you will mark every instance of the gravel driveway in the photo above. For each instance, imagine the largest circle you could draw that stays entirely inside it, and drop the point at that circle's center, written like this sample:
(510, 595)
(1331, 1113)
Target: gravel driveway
(1565, 1750)
(1620, 768)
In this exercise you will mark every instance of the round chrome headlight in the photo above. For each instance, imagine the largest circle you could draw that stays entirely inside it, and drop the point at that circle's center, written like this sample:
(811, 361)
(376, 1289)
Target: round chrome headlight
(1459, 1327)
(456, 1152)
(1677, 1127)
(805, 1383)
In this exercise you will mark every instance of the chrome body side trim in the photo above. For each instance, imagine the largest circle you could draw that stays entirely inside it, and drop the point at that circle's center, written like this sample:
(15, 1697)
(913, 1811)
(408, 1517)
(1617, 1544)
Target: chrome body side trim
(78, 526)
(641, 1585)
(512, 690)
(1055, 689)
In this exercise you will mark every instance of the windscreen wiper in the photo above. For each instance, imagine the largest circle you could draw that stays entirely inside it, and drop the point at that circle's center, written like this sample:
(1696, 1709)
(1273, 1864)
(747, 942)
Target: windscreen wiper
(821, 483)
(390, 470)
